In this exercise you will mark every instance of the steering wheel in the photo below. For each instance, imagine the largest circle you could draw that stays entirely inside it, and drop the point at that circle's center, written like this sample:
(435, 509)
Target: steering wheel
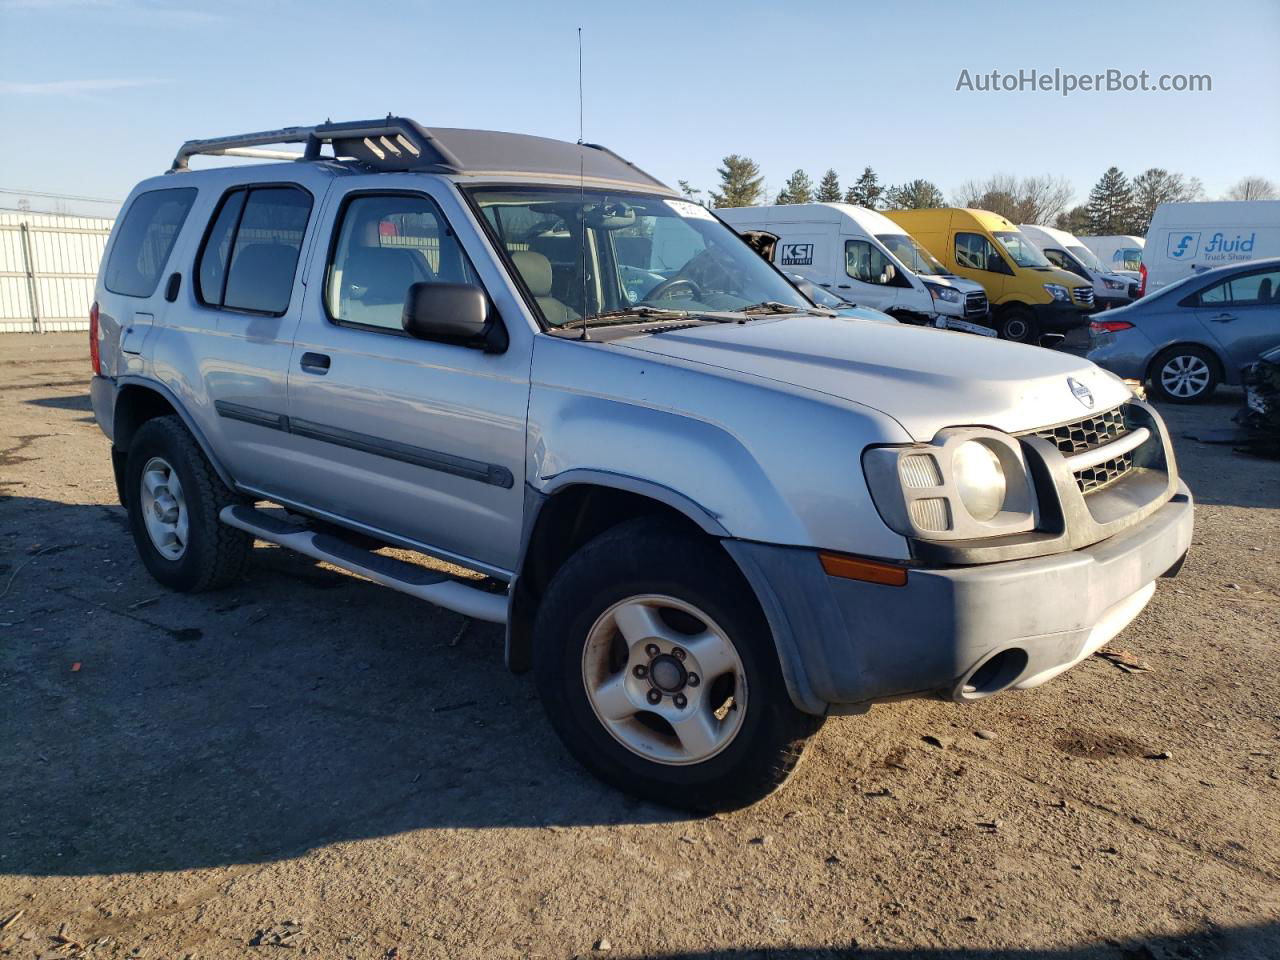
(666, 286)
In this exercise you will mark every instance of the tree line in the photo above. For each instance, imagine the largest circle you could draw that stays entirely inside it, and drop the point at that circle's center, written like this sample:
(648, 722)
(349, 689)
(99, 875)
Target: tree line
(1116, 204)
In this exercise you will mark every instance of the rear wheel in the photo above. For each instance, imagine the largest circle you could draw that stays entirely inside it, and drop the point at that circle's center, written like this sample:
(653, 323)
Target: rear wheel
(1184, 375)
(657, 669)
(1019, 325)
(174, 498)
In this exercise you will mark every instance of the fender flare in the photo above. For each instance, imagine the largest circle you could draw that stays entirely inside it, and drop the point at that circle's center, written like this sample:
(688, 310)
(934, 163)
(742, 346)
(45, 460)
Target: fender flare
(696, 512)
(171, 398)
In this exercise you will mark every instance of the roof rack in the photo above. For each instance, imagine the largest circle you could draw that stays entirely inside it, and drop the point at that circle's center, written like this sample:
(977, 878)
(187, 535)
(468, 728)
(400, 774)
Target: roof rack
(393, 144)
(398, 143)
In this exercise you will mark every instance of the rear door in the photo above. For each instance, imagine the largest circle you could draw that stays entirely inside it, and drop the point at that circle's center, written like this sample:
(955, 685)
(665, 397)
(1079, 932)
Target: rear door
(421, 440)
(1243, 315)
(242, 302)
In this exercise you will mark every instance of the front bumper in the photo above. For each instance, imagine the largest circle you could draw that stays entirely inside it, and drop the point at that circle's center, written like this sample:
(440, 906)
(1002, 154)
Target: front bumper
(846, 644)
(1059, 317)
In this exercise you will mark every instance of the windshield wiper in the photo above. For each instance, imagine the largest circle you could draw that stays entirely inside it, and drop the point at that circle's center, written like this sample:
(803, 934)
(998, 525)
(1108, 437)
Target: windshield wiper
(640, 311)
(770, 306)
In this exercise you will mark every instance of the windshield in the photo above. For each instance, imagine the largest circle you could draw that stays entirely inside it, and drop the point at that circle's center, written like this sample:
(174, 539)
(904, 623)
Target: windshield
(1085, 256)
(913, 256)
(1128, 258)
(613, 257)
(1023, 251)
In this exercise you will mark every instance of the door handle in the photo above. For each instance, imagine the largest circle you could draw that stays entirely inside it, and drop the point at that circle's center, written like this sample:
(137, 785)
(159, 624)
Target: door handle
(844, 286)
(317, 363)
(1223, 318)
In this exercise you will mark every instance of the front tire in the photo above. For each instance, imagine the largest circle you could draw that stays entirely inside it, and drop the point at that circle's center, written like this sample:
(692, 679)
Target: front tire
(1019, 325)
(1184, 375)
(174, 498)
(658, 671)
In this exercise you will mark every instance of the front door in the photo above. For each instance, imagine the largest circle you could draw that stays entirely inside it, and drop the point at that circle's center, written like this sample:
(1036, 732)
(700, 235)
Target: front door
(865, 276)
(423, 440)
(1243, 315)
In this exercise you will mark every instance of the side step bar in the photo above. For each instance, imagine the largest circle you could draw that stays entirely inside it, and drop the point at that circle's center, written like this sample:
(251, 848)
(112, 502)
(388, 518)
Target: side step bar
(408, 578)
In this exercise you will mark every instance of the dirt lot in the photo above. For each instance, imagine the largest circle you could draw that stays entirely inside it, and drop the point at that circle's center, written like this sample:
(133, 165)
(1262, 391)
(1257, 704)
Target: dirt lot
(186, 776)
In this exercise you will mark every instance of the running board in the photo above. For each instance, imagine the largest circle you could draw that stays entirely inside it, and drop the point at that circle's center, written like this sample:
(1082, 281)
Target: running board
(420, 582)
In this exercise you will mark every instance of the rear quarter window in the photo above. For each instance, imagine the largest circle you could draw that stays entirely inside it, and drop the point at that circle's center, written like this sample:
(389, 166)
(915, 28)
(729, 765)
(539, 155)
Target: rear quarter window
(145, 239)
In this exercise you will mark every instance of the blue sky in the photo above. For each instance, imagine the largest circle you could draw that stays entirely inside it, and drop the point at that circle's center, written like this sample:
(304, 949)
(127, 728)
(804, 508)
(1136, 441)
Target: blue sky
(96, 94)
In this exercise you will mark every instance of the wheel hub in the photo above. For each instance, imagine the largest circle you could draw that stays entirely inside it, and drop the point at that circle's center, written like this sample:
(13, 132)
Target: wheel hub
(667, 673)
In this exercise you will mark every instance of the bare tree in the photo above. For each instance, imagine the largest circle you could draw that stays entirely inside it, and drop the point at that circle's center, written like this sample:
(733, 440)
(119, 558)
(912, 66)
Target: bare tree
(1254, 188)
(1018, 199)
(1156, 186)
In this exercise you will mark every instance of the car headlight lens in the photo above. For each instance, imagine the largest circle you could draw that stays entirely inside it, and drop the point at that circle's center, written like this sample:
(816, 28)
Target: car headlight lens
(979, 479)
(949, 294)
(1058, 292)
(1113, 284)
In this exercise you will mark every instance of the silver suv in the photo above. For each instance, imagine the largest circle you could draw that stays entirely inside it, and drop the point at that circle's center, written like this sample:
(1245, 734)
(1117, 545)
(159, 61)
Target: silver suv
(709, 512)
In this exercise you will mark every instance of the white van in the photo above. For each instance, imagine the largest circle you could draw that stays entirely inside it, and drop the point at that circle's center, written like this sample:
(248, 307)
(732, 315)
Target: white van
(1190, 237)
(1123, 254)
(864, 257)
(1066, 252)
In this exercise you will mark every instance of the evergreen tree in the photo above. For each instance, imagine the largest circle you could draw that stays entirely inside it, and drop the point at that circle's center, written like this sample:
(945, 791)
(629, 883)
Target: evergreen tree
(690, 192)
(1075, 220)
(829, 188)
(866, 192)
(1110, 207)
(915, 195)
(797, 189)
(741, 184)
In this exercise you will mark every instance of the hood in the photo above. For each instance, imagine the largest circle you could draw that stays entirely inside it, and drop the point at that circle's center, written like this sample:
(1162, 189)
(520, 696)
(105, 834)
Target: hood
(924, 378)
(951, 280)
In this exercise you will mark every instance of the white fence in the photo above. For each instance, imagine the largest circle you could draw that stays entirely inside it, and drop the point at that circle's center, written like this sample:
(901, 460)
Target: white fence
(48, 264)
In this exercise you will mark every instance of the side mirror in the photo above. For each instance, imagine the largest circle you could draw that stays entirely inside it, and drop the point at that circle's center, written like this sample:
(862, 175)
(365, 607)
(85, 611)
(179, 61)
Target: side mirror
(890, 272)
(994, 263)
(449, 312)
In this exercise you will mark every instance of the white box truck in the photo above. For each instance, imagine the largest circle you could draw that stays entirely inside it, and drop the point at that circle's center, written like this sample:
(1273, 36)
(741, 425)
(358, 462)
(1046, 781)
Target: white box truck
(1190, 237)
(862, 256)
(1065, 251)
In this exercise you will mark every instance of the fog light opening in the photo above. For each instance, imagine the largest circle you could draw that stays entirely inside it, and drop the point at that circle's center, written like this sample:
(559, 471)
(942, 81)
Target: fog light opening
(993, 675)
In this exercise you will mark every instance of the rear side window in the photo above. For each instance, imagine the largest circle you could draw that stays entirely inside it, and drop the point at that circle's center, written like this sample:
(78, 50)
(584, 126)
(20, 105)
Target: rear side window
(147, 235)
(1250, 290)
(250, 254)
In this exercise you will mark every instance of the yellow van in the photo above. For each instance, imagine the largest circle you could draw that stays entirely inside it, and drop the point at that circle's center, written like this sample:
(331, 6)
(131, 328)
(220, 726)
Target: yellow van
(1029, 296)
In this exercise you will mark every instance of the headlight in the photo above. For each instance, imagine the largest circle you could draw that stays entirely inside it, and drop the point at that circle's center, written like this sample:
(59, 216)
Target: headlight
(949, 294)
(979, 479)
(1058, 292)
(1113, 284)
(968, 483)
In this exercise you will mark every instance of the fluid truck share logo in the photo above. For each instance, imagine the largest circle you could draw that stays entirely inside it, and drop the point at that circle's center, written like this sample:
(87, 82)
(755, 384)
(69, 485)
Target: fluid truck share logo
(797, 254)
(1183, 246)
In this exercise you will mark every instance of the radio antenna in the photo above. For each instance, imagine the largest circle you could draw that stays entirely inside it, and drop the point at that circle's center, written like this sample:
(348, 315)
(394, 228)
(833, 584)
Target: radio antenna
(582, 194)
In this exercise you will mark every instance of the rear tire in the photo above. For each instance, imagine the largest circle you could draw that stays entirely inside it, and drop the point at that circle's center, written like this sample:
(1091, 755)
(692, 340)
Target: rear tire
(174, 498)
(1184, 375)
(621, 635)
(1019, 325)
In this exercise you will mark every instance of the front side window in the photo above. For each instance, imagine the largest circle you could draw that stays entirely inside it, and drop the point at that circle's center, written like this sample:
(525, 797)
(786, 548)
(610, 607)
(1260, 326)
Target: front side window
(607, 256)
(1021, 250)
(864, 262)
(976, 252)
(250, 254)
(913, 256)
(384, 245)
(147, 235)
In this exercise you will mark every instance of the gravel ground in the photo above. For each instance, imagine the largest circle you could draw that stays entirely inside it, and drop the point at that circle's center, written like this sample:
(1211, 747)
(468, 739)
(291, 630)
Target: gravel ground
(310, 761)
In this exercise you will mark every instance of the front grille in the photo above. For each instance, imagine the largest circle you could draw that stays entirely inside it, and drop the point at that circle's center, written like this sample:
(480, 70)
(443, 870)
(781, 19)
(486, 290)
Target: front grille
(1084, 296)
(1088, 434)
(975, 304)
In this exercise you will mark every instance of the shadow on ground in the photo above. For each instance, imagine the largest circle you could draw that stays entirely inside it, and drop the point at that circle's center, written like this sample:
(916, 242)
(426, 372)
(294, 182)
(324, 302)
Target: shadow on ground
(299, 708)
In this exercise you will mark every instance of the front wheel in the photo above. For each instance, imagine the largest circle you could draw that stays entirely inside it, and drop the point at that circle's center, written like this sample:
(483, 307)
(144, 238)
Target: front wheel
(658, 670)
(1019, 325)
